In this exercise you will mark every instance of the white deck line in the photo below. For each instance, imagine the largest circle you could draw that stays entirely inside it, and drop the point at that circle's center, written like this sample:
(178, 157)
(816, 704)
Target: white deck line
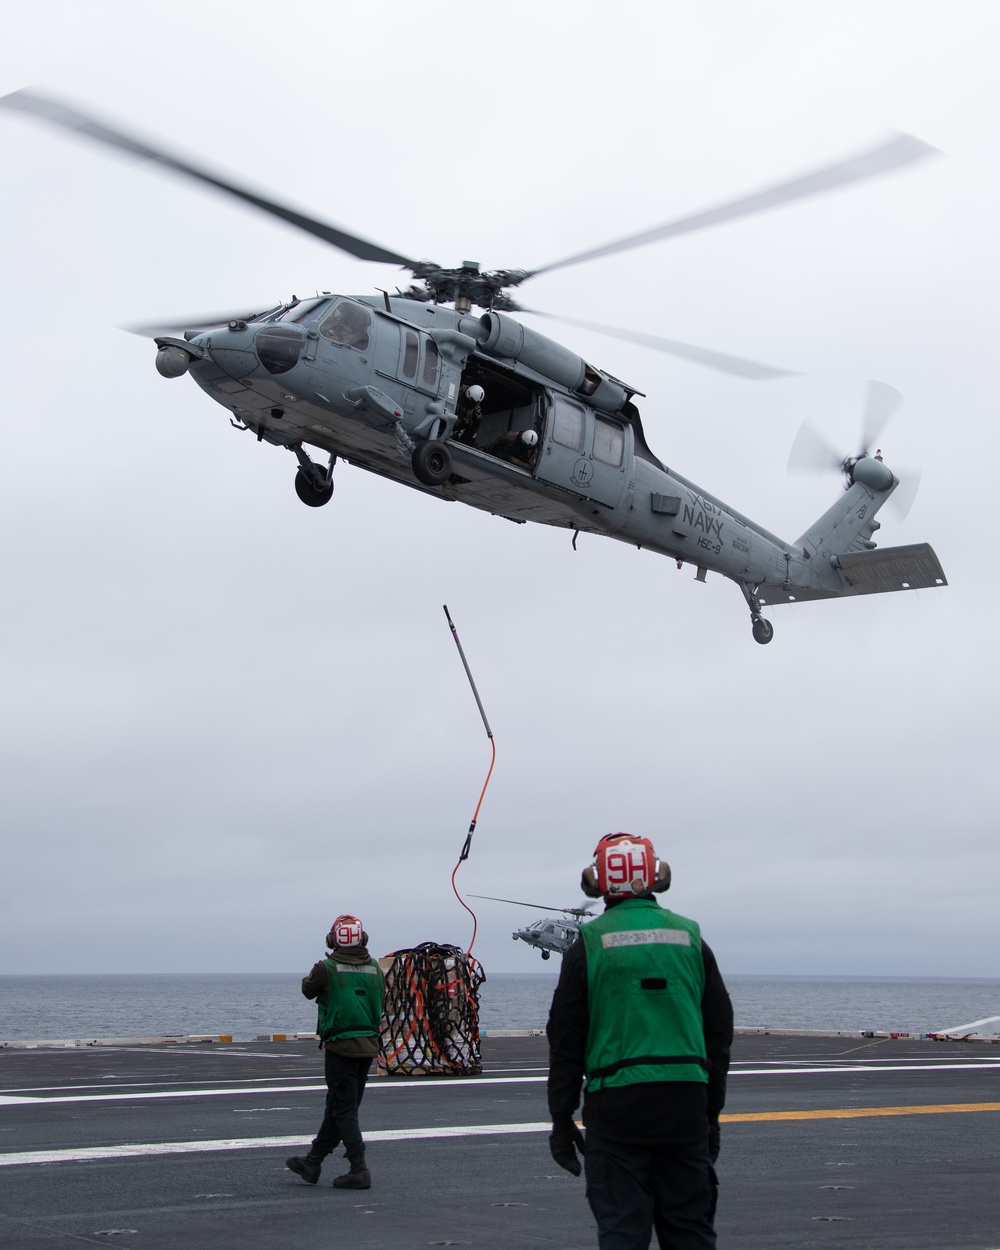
(148, 1149)
(385, 1083)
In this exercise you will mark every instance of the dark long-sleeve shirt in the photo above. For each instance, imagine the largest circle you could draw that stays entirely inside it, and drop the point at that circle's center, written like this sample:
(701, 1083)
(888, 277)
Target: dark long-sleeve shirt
(655, 1112)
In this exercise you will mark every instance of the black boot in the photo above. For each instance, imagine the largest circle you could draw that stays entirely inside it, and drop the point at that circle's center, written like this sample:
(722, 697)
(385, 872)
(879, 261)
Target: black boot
(306, 1166)
(357, 1178)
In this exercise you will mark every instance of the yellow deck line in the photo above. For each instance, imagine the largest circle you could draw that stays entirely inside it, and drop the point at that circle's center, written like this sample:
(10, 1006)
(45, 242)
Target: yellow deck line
(856, 1113)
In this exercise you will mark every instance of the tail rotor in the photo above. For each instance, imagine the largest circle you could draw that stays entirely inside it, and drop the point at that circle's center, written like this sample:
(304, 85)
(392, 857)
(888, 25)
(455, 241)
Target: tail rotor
(811, 452)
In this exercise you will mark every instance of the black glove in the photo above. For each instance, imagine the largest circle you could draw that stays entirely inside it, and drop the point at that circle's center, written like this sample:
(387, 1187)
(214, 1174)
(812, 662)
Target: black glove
(713, 1140)
(564, 1141)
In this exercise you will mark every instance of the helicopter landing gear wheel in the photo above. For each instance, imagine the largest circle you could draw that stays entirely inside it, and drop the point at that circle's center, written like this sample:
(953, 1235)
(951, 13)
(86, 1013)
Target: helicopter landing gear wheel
(311, 495)
(546, 954)
(763, 631)
(431, 461)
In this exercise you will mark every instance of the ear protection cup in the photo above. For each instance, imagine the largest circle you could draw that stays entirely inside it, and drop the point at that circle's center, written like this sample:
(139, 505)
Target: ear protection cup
(588, 882)
(662, 882)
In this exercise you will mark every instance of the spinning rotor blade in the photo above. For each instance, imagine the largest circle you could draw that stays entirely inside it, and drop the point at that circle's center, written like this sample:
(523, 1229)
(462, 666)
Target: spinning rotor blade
(202, 321)
(811, 453)
(900, 150)
(880, 406)
(901, 499)
(71, 119)
(810, 450)
(735, 365)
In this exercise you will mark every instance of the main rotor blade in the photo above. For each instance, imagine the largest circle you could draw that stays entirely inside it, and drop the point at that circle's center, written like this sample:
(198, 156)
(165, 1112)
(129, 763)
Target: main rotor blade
(880, 405)
(900, 150)
(735, 365)
(201, 321)
(810, 452)
(59, 114)
(572, 911)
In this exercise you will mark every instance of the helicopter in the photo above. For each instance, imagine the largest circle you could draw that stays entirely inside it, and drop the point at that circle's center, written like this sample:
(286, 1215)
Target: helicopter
(550, 933)
(485, 410)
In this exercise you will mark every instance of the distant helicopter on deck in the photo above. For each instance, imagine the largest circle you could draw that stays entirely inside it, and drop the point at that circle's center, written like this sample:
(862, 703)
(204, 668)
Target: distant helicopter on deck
(486, 411)
(548, 934)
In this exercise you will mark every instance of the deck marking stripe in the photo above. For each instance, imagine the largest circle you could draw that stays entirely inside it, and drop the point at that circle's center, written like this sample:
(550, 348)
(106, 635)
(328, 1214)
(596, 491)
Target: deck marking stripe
(244, 1090)
(850, 1069)
(17, 1100)
(856, 1113)
(130, 1151)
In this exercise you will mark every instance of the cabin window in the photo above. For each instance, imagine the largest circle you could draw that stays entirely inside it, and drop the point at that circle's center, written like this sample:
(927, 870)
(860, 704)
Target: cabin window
(568, 425)
(348, 324)
(430, 373)
(410, 352)
(609, 441)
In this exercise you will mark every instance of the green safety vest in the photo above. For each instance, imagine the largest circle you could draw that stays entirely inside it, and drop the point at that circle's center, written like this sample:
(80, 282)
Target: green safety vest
(353, 1006)
(645, 979)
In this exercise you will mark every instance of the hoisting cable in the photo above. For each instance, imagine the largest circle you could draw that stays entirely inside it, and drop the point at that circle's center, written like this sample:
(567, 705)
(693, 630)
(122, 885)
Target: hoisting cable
(482, 794)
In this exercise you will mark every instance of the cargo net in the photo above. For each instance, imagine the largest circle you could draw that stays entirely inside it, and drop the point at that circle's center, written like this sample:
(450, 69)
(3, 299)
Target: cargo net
(431, 1020)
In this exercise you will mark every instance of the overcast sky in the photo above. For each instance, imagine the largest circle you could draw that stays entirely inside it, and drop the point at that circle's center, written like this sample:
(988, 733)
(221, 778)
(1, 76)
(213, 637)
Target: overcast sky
(228, 717)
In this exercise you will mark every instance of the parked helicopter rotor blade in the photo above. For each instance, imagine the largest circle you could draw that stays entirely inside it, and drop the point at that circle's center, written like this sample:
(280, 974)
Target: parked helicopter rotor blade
(201, 321)
(880, 406)
(893, 153)
(811, 453)
(735, 365)
(59, 114)
(571, 911)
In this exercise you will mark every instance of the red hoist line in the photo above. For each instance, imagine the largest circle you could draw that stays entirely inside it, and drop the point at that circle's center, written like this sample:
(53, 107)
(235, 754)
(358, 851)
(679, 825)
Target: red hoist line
(482, 794)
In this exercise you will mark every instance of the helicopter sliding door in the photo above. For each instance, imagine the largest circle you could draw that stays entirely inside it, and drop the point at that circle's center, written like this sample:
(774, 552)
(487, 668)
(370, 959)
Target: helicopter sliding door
(585, 452)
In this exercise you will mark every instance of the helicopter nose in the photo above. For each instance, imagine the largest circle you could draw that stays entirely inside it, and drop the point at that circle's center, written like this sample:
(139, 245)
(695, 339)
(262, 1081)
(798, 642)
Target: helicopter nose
(233, 350)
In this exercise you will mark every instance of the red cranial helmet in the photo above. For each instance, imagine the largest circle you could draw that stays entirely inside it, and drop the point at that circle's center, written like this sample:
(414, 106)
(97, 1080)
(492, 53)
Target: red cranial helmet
(345, 932)
(624, 866)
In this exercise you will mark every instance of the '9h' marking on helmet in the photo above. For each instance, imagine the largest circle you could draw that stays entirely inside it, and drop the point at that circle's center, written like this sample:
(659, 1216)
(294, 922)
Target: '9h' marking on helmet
(624, 866)
(346, 931)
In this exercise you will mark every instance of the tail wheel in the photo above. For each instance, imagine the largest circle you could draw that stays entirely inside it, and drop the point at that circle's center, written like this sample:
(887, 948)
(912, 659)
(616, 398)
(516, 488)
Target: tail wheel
(431, 462)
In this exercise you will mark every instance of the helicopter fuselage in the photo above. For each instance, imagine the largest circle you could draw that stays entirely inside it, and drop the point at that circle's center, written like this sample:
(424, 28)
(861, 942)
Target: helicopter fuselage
(368, 380)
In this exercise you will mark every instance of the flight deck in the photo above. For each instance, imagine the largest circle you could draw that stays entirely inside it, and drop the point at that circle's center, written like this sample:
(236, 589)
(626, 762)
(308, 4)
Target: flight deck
(827, 1141)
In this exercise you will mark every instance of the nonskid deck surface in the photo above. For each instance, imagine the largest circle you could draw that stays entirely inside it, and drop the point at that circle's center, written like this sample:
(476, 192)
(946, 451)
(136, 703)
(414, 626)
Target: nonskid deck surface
(832, 1142)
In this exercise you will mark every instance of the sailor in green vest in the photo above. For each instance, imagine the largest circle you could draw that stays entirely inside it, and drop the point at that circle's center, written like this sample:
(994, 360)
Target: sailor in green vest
(348, 988)
(642, 1014)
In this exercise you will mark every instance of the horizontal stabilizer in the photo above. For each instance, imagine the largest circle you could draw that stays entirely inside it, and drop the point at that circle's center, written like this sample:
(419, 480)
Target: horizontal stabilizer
(891, 568)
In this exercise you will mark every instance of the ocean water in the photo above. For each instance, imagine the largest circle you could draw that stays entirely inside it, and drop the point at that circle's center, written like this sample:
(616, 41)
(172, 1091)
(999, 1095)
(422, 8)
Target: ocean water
(248, 1004)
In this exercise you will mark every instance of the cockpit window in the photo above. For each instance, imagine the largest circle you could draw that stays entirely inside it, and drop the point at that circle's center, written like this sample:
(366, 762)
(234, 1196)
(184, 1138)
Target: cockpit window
(348, 324)
(305, 313)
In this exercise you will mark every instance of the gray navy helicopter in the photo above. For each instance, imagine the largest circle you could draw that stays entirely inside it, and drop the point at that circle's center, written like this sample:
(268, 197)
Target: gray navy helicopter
(550, 933)
(484, 410)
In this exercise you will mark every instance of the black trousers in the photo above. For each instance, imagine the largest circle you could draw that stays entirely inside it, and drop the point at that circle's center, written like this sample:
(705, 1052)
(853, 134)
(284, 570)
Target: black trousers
(633, 1190)
(345, 1087)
